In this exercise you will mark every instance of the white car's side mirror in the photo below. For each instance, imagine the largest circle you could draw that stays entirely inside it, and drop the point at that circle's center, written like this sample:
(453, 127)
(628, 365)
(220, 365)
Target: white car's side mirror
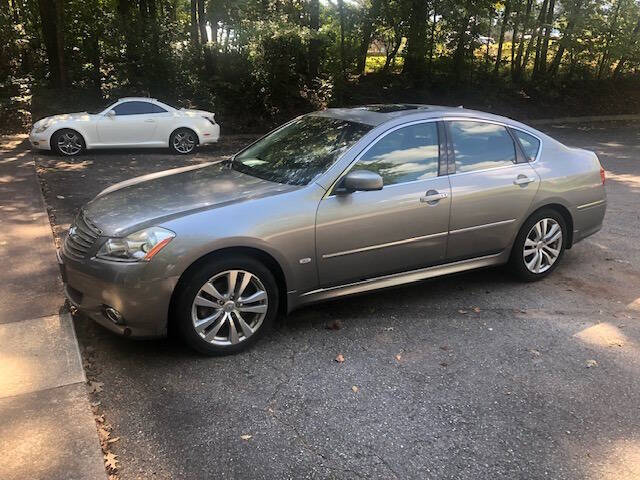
(111, 113)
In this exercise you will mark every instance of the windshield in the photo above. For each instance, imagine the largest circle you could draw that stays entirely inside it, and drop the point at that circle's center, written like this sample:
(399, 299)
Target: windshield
(300, 151)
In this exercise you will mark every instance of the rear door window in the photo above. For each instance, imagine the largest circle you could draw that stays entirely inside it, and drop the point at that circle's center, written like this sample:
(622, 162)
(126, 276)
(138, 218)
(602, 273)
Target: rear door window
(481, 145)
(530, 144)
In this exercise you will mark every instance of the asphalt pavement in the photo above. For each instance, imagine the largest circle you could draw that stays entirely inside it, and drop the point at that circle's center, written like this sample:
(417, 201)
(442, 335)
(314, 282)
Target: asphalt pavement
(473, 376)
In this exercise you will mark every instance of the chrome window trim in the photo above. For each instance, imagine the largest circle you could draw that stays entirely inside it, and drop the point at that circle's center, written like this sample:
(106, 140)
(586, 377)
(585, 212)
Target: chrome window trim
(375, 141)
(383, 245)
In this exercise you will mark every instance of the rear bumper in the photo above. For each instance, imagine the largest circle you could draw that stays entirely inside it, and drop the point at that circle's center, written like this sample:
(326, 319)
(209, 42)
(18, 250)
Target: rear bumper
(588, 219)
(92, 285)
(211, 134)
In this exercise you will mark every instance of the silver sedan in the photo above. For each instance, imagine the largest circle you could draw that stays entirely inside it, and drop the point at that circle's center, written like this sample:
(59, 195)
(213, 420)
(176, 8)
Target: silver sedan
(333, 203)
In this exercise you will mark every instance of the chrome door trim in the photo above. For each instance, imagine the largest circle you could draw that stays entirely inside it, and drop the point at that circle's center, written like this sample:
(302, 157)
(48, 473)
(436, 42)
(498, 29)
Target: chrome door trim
(485, 225)
(383, 245)
(591, 204)
(399, 278)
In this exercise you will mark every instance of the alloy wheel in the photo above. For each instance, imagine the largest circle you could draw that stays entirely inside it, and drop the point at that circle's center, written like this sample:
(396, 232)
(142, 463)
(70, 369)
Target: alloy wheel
(542, 245)
(229, 307)
(184, 142)
(69, 143)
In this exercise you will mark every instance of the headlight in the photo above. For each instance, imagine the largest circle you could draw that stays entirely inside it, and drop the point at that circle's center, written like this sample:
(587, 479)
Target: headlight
(39, 128)
(141, 246)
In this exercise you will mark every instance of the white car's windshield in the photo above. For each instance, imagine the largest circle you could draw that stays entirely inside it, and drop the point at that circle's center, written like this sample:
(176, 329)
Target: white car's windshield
(300, 151)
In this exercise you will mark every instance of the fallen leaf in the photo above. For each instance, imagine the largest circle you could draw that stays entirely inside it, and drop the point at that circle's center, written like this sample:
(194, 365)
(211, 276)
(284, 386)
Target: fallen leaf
(462, 311)
(96, 404)
(591, 363)
(95, 387)
(388, 329)
(355, 389)
(444, 347)
(340, 358)
(334, 325)
(398, 357)
(61, 197)
(246, 437)
(111, 461)
(113, 440)
(535, 352)
(476, 309)
(100, 418)
(103, 434)
(444, 364)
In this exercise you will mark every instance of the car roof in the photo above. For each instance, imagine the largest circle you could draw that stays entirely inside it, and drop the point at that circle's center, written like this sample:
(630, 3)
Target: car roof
(145, 99)
(377, 114)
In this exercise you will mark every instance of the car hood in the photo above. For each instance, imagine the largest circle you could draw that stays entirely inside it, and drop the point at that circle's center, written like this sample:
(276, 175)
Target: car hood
(64, 117)
(155, 198)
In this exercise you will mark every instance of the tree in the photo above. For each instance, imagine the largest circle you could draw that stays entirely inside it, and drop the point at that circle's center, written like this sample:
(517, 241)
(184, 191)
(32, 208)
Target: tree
(503, 28)
(415, 65)
(52, 19)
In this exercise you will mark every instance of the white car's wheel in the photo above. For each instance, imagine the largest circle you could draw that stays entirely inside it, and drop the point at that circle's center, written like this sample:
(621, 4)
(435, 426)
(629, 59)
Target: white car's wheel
(183, 141)
(67, 142)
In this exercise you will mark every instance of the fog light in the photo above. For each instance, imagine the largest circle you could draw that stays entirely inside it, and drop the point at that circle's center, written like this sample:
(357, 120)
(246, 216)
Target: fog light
(114, 315)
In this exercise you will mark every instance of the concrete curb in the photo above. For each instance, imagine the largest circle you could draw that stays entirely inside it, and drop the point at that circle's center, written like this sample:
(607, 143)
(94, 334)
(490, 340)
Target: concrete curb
(587, 119)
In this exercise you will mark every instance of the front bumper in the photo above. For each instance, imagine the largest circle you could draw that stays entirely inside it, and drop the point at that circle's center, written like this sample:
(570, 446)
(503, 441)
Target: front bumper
(92, 285)
(40, 141)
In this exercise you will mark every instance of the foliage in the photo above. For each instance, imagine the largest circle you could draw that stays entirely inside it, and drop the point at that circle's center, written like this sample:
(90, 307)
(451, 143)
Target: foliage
(257, 62)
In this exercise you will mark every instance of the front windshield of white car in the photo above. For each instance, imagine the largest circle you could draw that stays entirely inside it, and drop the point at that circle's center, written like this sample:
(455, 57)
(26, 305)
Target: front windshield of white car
(300, 151)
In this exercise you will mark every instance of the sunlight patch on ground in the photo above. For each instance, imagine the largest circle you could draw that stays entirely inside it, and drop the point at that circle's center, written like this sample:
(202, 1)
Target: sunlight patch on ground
(635, 305)
(631, 180)
(621, 462)
(603, 335)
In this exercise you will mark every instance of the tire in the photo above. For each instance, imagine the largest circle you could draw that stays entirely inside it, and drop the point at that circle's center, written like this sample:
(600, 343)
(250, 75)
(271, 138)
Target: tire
(67, 143)
(208, 327)
(543, 252)
(183, 141)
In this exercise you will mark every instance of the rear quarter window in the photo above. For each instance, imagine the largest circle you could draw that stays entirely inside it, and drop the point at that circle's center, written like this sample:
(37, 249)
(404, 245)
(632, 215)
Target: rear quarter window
(530, 144)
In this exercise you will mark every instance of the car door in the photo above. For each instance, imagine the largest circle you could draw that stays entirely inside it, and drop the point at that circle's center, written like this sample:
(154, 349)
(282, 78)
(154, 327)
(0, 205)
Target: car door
(134, 122)
(492, 188)
(402, 227)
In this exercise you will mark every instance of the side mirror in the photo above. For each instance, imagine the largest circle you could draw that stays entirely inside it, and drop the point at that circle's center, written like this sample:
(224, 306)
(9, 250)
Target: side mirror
(111, 113)
(362, 180)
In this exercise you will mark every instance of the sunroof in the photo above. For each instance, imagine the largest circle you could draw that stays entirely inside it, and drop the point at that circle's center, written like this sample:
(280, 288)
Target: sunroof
(390, 108)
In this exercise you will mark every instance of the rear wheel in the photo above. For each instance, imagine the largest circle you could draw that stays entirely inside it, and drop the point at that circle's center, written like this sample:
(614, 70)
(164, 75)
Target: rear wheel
(226, 305)
(183, 141)
(539, 246)
(67, 142)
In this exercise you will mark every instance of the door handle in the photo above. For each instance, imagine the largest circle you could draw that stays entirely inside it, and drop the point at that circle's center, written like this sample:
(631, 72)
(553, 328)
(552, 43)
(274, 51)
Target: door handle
(150, 120)
(433, 197)
(523, 180)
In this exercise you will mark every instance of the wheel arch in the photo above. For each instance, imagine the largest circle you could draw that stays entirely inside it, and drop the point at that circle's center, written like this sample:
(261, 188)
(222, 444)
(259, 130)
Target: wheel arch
(566, 215)
(263, 256)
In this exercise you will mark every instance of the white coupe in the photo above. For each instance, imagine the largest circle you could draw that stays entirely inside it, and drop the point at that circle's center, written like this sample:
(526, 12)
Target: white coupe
(129, 122)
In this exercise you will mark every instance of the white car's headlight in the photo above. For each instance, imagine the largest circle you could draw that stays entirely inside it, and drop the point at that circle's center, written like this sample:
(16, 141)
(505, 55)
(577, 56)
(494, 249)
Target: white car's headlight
(41, 127)
(140, 246)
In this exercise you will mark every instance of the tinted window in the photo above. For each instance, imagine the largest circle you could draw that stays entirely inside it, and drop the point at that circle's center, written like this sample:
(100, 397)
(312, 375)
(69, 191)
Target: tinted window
(530, 144)
(137, 108)
(480, 145)
(300, 151)
(407, 154)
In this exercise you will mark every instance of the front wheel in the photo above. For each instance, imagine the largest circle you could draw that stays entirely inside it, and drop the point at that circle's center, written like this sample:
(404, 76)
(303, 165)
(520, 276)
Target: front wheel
(226, 305)
(183, 141)
(539, 245)
(68, 143)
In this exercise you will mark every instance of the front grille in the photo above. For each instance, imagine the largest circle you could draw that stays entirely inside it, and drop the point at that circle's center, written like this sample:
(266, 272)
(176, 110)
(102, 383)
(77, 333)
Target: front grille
(82, 235)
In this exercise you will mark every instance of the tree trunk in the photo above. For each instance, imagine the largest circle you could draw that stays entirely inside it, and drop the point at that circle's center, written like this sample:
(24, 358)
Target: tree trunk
(542, 67)
(605, 54)
(392, 55)
(195, 39)
(541, 19)
(51, 19)
(416, 56)
(367, 33)
(503, 28)
(623, 60)
(314, 42)
(202, 23)
(517, 71)
(566, 38)
(343, 61)
(433, 36)
(514, 36)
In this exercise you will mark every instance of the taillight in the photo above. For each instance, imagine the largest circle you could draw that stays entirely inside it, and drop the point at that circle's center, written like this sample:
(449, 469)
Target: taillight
(602, 175)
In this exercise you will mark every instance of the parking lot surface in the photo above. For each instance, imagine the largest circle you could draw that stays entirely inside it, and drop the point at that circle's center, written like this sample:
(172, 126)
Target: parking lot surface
(473, 376)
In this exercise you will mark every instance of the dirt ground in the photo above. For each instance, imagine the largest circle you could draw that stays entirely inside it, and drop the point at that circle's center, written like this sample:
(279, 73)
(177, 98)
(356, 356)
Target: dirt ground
(474, 376)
